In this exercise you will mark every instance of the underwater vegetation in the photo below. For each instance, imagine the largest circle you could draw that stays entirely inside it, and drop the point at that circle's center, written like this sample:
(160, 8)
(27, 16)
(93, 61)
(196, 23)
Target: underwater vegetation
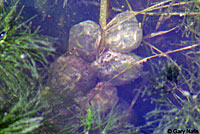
(177, 108)
(23, 54)
(93, 121)
(173, 84)
(21, 49)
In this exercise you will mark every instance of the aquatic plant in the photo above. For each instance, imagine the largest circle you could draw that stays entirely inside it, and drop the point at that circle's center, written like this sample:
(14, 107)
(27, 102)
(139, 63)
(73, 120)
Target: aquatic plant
(19, 113)
(93, 121)
(22, 50)
(23, 54)
(171, 117)
(173, 84)
(177, 103)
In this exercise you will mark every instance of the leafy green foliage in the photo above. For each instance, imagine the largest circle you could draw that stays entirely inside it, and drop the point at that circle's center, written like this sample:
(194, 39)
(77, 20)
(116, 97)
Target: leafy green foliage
(93, 121)
(191, 22)
(173, 82)
(21, 50)
(19, 115)
(23, 126)
(22, 56)
(177, 103)
(181, 117)
(89, 119)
